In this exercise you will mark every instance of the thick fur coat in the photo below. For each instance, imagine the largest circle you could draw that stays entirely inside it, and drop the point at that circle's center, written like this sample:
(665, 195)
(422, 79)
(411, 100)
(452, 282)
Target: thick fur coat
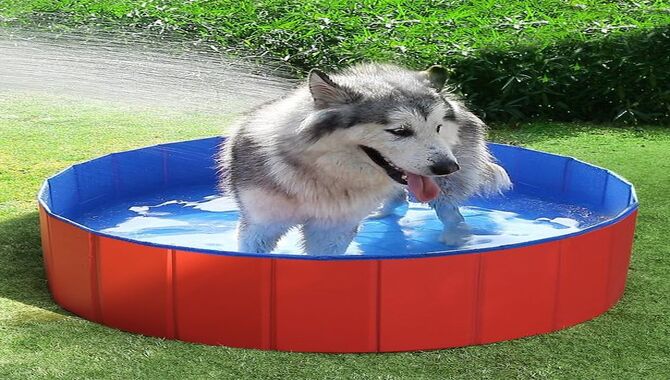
(329, 153)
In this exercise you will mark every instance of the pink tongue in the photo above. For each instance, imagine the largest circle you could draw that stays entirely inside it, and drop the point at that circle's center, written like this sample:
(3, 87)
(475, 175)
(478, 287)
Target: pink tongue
(423, 188)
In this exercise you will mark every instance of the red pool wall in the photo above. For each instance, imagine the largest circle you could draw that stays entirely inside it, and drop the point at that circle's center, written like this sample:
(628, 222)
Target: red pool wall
(342, 305)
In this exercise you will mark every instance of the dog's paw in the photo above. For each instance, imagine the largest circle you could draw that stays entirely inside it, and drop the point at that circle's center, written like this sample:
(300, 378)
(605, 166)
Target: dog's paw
(456, 235)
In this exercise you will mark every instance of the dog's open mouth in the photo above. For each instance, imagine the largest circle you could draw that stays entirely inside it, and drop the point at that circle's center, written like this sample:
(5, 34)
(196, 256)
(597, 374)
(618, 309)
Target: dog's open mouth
(424, 188)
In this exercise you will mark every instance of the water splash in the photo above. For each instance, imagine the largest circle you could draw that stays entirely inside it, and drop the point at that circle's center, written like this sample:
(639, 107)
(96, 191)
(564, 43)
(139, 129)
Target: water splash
(135, 69)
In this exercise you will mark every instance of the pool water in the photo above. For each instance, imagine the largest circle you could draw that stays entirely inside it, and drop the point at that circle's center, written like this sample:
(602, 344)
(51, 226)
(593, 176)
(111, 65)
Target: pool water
(199, 218)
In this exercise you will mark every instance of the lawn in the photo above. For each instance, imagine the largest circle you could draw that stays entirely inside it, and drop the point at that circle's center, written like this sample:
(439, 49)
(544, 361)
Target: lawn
(39, 136)
(330, 33)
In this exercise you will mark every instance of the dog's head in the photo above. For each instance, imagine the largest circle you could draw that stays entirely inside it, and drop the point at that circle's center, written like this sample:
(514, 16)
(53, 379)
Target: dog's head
(396, 117)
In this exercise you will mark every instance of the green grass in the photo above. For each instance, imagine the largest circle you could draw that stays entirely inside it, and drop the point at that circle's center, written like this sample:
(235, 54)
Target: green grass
(39, 136)
(332, 32)
(597, 60)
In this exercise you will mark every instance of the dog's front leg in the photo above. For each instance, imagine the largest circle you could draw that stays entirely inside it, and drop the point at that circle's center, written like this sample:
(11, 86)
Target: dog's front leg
(397, 199)
(455, 230)
(260, 237)
(328, 238)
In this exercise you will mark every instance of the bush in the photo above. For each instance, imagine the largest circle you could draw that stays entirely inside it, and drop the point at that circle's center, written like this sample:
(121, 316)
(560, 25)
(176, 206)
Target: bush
(623, 77)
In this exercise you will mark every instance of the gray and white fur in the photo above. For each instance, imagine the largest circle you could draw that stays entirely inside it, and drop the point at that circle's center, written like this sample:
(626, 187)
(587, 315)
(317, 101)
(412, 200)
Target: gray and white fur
(329, 153)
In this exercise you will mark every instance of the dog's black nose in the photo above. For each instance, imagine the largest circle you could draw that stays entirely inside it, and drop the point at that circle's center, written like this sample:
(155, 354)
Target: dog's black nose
(444, 167)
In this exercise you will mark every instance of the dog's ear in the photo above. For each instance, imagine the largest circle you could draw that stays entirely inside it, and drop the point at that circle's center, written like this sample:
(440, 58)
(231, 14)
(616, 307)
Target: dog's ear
(324, 91)
(436, 75)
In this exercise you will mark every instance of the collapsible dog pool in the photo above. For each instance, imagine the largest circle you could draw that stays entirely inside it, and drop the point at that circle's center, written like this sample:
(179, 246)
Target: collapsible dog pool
(141, 241)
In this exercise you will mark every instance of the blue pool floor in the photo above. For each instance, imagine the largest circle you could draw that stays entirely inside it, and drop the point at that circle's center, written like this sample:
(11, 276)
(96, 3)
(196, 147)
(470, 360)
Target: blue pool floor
(199, 218)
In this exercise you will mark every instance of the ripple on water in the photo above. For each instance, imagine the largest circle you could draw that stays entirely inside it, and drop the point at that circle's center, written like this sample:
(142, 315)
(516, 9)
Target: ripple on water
(199, 219)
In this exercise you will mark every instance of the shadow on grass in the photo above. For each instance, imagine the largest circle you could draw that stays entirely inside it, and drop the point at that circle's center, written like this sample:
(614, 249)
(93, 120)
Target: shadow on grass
(531, 133)
(22, 276)
(539, 132)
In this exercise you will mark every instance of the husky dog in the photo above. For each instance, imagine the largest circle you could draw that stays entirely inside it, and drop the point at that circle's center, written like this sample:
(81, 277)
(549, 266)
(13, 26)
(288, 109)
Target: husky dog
(328, 154)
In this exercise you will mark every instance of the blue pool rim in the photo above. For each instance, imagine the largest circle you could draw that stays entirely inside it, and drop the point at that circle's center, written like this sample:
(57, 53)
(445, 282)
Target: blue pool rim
(632, 205)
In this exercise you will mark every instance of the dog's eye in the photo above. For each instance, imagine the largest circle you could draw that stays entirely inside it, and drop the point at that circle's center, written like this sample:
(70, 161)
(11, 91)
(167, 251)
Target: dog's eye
(439, 126)
(401, 132)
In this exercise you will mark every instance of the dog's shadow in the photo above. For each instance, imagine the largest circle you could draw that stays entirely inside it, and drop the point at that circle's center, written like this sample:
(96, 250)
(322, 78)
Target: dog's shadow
(22, 276)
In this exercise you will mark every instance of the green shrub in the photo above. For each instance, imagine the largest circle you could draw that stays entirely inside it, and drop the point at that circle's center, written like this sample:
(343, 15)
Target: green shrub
(622, 77)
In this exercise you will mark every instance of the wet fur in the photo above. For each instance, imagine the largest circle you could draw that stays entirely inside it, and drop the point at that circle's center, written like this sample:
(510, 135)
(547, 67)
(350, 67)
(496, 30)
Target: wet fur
(297, 162)
(478, 175)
